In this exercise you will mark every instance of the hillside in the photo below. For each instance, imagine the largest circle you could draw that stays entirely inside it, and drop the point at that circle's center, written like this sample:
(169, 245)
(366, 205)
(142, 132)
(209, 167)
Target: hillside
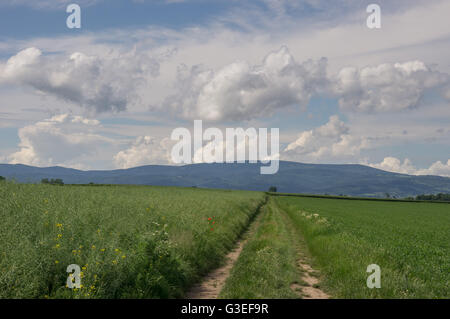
(354, 180)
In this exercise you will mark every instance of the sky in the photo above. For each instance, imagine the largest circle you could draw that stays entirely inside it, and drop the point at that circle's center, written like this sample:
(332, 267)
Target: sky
(109, 95)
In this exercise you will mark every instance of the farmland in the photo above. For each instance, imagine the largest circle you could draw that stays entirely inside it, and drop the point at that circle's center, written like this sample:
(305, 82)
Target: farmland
(157, 242)
(409, 241)
(131, 241)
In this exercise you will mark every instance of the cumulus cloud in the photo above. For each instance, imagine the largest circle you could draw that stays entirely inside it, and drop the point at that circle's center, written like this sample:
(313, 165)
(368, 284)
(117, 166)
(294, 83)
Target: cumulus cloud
(385, 87)
(330, 141)
(146, 150)
(101, 84)
(437, 168)
(392, 164)
(240, 91)
(61, 140)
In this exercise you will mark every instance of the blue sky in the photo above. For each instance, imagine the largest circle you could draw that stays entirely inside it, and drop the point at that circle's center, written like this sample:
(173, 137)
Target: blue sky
(105, 15)
(339, 91)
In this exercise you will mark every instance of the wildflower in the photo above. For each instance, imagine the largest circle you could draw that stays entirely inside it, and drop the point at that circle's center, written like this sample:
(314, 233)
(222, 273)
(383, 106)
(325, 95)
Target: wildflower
(93, 246)
(59, 235)
(114, 261)
(56, 261)
(59, 225)
(102, 250)
(209, 218)
(117, 250)
(84, 267)
(123, 257)
(57, 246)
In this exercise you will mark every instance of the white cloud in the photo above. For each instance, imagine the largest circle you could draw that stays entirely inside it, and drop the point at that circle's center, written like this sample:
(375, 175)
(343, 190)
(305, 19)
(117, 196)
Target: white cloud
(100, 84)
(325, 143)
(437, 168)
(61, 140)
(386, 87)
(417, 32)
(392, 164)
(145, 150)
(240, 91)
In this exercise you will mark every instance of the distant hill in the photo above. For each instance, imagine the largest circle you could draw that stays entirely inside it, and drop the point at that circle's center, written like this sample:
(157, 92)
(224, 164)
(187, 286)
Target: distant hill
(354, 180)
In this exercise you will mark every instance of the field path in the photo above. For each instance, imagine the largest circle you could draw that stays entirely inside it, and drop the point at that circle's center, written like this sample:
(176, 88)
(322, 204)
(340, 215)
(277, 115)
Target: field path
(308, 287)
(212, 284)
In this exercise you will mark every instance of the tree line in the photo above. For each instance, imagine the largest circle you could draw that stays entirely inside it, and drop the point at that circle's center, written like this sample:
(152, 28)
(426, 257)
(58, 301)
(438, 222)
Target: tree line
(438, 197)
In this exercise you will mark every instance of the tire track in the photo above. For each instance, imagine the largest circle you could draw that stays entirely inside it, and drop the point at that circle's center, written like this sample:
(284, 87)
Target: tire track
(308, 287)
(212, 284)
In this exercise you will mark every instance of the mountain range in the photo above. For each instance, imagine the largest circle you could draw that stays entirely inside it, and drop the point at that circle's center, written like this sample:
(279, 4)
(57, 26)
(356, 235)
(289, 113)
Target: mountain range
(292, 177)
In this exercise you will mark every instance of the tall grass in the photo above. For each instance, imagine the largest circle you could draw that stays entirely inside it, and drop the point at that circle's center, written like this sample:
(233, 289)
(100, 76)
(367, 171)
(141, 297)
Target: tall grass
(131, 241)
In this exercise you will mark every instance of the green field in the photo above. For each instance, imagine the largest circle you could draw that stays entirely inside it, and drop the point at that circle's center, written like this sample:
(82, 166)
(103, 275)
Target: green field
(409, 241)
(132, 241)
(156, 242)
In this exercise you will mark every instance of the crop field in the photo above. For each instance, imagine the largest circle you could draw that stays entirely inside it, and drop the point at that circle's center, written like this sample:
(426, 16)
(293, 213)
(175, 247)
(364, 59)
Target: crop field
(158, 242)
(409, 241)
(131, 241)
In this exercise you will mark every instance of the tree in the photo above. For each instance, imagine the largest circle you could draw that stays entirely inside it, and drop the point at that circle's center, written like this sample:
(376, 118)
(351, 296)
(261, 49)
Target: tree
(273, 189)
(57, 181)
(2, 178)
